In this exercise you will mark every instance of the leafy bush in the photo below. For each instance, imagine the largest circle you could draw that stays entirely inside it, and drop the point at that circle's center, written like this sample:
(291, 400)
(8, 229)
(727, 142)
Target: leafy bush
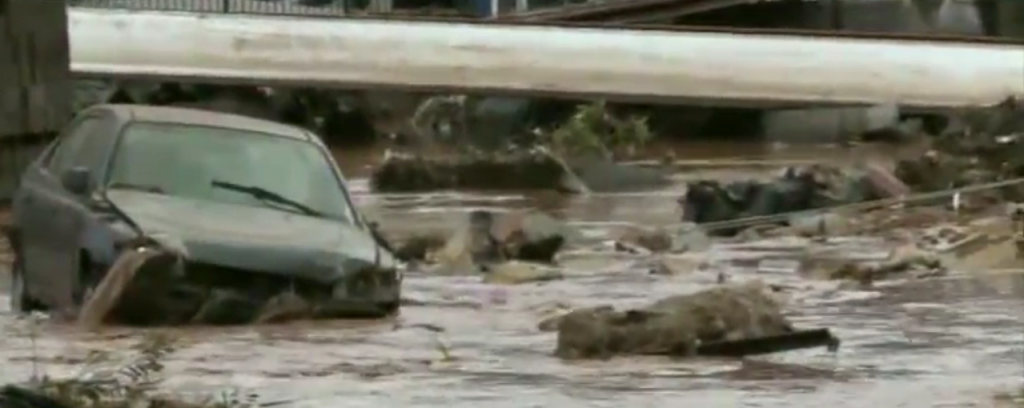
(593, 131)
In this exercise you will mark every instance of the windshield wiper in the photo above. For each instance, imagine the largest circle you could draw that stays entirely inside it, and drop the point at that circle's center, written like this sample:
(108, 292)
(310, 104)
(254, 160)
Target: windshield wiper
(263, 194)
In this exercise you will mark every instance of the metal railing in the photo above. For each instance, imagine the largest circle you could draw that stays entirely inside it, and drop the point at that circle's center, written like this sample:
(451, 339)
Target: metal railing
(337, 8)
(269, 7)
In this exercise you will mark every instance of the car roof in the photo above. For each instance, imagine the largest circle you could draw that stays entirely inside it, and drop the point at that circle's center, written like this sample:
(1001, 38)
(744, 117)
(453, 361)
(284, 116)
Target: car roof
(189, 116)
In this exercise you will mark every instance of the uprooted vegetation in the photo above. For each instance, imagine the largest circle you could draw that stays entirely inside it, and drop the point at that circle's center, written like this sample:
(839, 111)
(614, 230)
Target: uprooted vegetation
(594, 131)
(133, 384)
(576, 156)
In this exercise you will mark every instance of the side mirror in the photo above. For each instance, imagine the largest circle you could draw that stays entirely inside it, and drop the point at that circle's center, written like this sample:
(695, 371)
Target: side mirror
(76, 180)
(374, 228)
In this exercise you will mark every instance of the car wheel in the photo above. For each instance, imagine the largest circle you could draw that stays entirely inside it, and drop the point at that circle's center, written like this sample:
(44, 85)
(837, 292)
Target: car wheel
(21, 300)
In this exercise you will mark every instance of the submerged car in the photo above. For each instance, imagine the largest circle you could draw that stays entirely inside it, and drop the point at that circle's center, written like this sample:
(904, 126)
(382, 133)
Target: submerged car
(246, 210)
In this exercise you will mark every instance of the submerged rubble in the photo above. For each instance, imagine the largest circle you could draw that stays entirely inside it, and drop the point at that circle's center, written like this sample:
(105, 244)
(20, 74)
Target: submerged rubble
(686, 237)
(797, 189)
(980, 145)
(909, 262)
(506, 248)
(674, 326)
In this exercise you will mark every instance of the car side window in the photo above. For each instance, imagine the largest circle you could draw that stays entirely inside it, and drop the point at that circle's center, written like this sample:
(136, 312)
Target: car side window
(64, 157)
(94, 150)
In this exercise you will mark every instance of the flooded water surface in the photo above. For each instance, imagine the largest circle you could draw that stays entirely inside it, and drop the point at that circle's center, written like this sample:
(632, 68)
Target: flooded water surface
(949, 342)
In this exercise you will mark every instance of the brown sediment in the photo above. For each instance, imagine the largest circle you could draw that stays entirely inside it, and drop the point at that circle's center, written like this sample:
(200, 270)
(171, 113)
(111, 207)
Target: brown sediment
(916, 344)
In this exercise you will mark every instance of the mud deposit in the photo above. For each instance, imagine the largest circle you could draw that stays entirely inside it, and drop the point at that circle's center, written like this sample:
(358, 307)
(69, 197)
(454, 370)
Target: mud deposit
(950, 342)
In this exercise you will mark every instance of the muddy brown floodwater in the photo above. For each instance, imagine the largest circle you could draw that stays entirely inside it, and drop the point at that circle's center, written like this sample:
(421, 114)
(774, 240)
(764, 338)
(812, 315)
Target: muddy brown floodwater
(949, 342)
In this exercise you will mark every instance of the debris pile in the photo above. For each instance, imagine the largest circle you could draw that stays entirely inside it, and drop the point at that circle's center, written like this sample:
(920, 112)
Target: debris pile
(534, 169)
(678, 325)
(507, 248)
(979, 145)
(577, 156)
(796, 189)
(905, 262)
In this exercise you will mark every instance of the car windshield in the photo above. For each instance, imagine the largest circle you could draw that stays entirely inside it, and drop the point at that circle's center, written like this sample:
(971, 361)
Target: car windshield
(198, 161)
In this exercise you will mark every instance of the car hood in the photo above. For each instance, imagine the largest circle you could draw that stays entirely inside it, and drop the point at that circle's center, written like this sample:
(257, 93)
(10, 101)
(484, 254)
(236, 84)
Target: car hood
(253, 238)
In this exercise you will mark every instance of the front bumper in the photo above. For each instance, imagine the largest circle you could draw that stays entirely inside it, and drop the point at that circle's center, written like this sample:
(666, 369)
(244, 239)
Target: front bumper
(176, 293)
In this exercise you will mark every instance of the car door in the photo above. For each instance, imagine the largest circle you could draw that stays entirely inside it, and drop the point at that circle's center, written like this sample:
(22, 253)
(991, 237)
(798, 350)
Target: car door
(54, 215)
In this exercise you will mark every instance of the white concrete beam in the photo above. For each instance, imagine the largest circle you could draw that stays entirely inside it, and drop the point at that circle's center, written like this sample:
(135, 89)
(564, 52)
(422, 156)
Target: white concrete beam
(715, 68)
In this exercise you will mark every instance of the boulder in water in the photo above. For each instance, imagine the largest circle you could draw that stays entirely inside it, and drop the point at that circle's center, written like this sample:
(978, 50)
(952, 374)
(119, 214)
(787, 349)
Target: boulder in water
(675, 325)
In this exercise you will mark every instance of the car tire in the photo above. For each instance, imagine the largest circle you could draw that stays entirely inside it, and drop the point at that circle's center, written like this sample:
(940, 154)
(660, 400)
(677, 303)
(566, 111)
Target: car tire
(20, 300)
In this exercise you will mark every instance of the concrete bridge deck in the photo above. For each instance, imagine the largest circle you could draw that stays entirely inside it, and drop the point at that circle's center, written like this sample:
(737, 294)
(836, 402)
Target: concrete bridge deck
(617, 63)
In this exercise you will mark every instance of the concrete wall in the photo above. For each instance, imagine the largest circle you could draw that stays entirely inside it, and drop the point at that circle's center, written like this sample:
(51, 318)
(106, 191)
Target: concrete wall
(13, 159)
(825, 125)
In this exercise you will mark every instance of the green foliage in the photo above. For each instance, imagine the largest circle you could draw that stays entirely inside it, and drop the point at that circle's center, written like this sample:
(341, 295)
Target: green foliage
(593, 131)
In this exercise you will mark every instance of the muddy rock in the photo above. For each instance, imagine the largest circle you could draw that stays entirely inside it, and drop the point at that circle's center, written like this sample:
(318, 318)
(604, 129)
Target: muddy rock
(554, 319)
(673, 326)
(514, 273)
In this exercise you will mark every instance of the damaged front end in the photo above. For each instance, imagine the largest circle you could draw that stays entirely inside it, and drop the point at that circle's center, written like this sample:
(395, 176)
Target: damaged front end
(155, 282)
